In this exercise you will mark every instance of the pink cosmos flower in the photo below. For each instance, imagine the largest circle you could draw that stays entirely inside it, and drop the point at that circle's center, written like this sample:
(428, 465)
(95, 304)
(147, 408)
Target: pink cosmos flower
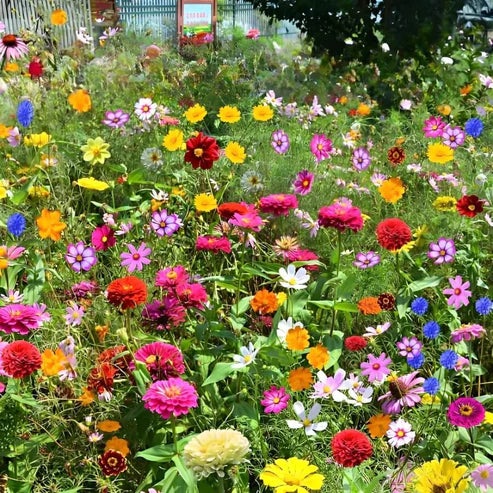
(321, 147)
(171, 277)
(103, 238)
(453, 137)
(80, 257)
(433, 127)
(459, 294)
(303, 183)
(74, 314)
(20, 319)
(213, 244)
(409, 348)
(275, 400)
(361, 159)
(380, 329)
(162, 360)
(467, 332)
(403, 391)
(376, 368)
(278, 204)
(136, 258)
(442, 251)
(116, 119)
(482, 477)
(329, 386)
(280, 141)
(14, 138)
(12, 297)
(341, 215)
(170, 397)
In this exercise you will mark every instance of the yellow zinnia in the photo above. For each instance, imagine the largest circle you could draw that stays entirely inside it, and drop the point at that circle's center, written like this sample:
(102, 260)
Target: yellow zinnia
(440, 153)
(58, 17)
(293, 475)
(92, 184)
(446, 476)
(262, 113)
(174, 140)
(205, 202)
(196, 113)
(95, 151)
(235, 152)
(229, 114)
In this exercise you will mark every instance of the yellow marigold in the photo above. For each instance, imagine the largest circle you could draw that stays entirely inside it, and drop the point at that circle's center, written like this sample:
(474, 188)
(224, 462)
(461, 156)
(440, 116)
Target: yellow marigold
(445, 203)
(118, 444)
(363, 109)
(281, 298)
(173, 140)
(108, 426)
(205, 202)
(264, 302)
(440, 153)
(229, 114)
(392, 190)
(195, 114)
(297, 339)
(262, 112)
(37, 140)
(318, 356)
(444, 109)
(80, 101)
(49, 224)
(378, 425)
(52, 362)
(4, 131)
(86, 398)
(235, 152)
(300, 378)
(92, 184)
(11, 67)
(58, 17)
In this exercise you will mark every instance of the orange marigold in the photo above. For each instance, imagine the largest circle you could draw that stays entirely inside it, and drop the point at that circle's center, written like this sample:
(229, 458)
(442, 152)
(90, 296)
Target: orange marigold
(363, 109)
(392, 190)
(108, 425)
(318, 356)
(49, 224)
(297, 339)
(264, 302)
(378, 425)
(80, 101)
(118, 444)
(369, 306)
(300, 378)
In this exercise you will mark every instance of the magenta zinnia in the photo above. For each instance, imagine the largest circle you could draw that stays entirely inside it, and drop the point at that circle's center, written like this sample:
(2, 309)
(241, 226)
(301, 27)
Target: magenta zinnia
(278, 204)
(162, 360)
(341, 215)
(403, 391)
(19, 318)
(466, 412)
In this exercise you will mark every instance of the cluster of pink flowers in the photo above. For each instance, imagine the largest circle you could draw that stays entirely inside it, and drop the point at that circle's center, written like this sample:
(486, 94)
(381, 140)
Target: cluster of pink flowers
(341, 215)
(20, 319)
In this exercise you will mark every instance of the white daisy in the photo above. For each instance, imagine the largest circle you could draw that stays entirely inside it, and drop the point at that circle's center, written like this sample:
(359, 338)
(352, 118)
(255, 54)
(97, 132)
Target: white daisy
(363, 396)
(292, 278)
(307, 421)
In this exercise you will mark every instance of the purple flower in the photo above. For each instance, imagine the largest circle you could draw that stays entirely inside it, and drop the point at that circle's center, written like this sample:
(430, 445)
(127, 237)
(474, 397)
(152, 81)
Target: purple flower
(321, 147)
(74, 314)
(280, 141)
(453, 136)
(135, 258)
(275, 400)
(378, 178)
(14, 138)
(116, 119)
(467, 332)
(303, 182)
(376, 368)
(80, 257)
(361, 159)
(409, 348)
(459, 294)
(165, 224)
(403, 391)
(442, 251)
(366, 260)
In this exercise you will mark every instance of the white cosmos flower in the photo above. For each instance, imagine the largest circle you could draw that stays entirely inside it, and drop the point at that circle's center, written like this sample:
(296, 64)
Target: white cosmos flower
(363, 396)
(284, 326)
(145, 108)
(246, 358)
(292, 278)
(399, 433)
(307, 421)
(385, 47)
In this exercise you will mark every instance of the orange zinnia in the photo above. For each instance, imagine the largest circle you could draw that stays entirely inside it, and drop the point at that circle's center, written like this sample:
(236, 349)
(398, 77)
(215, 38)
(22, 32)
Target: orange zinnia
(49, 224)
(108, 426)
(117, 444)
(300, 378)
(297, 339)
(318, 356)
(392, 190)
(264, 302)
(378, 425)
(127, 292)
(80, 101)
(369, 306)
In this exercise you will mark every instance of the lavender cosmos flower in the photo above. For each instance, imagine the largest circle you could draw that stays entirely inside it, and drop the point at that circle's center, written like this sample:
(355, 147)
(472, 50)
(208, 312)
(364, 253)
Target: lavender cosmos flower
(303, 183)
(328, 386)
(80, 257)
(459, 294)
(467, 332)
(361, 159)
(321, 147)
(165, 224)
(442, 251)
(466, 412)
(453, 136)
(116, 119)
(366, 260)
(280, 141)
(409, 348)
(135, 258)
(74, 314)
(403, 391)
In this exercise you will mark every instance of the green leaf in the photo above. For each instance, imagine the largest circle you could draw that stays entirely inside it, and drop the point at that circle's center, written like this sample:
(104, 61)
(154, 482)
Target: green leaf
(159, 453)
(220, 372)
(242, 306)
(427, 282)
(347, 288)
(342, 306)
(186, 474)
(21, 195)
(334, 345)
(137, 176)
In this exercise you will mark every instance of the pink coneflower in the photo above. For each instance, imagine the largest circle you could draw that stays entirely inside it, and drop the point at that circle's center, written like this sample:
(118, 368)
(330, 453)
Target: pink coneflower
(278, 204)
(453, 137)
(275, 400)
(400, 433)
(403, 391)
(380, 329)
(433, 127)
(465, 412)
(442, 251)
(103, 237)
(20, 319)
(162, 360)
(170, 397)
(459, 294)
(213, 244)
(280, 141)
(366, 260)
(329, 386)
(341, 215)
(74, 314)
(80, 257)
(467, 332)
(13, 47)
(361, 159)
(409, 348)
(321, 147)
(135, 258)
(116, 119)
(171, 277)
(376, 368)
(303, 183)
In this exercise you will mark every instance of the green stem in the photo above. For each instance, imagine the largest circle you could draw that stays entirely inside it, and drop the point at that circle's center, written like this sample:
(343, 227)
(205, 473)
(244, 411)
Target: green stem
(471, 435)
(175, 439)
(220, 483)
(397, 269)
(128, 326)
(338, 263)
(469, 346)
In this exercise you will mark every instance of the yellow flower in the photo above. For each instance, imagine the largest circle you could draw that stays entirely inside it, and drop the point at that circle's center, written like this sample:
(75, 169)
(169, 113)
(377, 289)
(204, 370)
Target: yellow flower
(406, 247)
(281, 298)
(195, 114)
(488, 418)
(4, 131)
(58, 17)
(262, 113)
(86, 398)
(37, 140)
(205, 202)
(445, 476)
(444, 109)
(80, 101)
(420, 234)
(49, 224)
(95, 151)
(3, 192)
(118, 444)
(427, 399)
(445, 203)
(11, 67)
(440, 153)
(174, 140)
(318, 356)
(292, 475)
(178, 191)
(392, 190)
(235, 153)
(92, 184)
(38, 191)
(229, 114)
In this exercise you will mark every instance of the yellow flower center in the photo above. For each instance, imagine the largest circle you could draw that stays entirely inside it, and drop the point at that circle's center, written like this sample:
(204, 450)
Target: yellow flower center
(457, 291)
(466, 410)
(305, 183)
(171, 274)
(276, 400)
(327, 389)
(172, 391)
(112, 461)
(400, 433)
(145, 108)
(151, 359)
(78, 258)
(320, 147)
(136, 256)
(104, 239)
(292, 282)
(198, 152)
(247, 358)
(484, 474)
(376, 366)
(471, 207)
(442, 252)
(290, 480)
(306, 422)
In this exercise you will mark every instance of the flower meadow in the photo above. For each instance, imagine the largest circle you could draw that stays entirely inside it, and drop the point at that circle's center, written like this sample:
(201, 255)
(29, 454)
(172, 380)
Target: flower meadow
(219, 275)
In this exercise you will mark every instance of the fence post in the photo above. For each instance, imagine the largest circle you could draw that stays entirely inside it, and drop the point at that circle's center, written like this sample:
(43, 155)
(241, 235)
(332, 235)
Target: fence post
(234, 14)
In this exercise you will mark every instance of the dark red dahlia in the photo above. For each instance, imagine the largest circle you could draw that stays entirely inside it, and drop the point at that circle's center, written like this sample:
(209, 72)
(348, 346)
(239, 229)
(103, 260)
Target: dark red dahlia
(112, 463)
(35, 68)
(202, 151)
(393, 233)
(355, 343)
(351, 447)
(469, 205)
(20, 359)
(386, 301)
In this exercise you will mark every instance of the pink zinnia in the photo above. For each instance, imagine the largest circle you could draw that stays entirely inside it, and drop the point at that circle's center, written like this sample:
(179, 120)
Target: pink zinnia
(3, 345)
(376, 368)
(433, 127)
(18, 318)
(321, 147)
(213, 244)
(103, 238)
(465, 412)
(275, 400)
(250, 220)
(303, 182)
(278, 204)
(467, 332)
(136, 258)
(192, 295)
(302, 256)
(341, 215)
(162, 360)
(459, 294)
(403, 391)
(171, 277)
(170, 397)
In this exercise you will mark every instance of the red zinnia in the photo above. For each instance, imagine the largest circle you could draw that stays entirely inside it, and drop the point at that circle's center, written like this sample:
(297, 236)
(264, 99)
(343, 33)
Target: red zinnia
(35, 68)
(101, 378)
(20, 359)
(355, 343)
(351, 447)
(127, 292)
(202, 151)
(112, 463)
(469, 205)
(396, 155)
(393, 233)
(229, 209)
(119, 361)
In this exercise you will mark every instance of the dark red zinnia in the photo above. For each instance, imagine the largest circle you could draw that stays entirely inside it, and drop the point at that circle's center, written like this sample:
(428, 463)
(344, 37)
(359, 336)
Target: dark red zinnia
(229, 209)
(20, 359)
(469, 205)
(127, 292)
(118, 360)
(351, 447)
(100, 378)
(386, 301)
(112, 463)
(396, 155)
(202, 151)
(355, 343)
(35, 68)
(393, 233)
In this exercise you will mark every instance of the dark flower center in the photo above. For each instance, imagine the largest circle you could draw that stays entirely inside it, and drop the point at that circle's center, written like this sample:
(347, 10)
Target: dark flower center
(397, 389)
(10, 40)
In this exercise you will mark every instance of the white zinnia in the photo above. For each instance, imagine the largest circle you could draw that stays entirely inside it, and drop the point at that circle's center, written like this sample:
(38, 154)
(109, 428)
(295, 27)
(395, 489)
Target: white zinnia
(307, 421)
(292, 278)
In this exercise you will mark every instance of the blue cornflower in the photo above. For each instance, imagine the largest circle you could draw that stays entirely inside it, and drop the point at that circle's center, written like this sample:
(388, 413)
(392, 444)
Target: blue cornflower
(431, 329)
(448, 359)
(25, 113)
(484, 305)
(419, 306)
(474, 127)
(417, 361)
(431, 386)
(16, 224)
